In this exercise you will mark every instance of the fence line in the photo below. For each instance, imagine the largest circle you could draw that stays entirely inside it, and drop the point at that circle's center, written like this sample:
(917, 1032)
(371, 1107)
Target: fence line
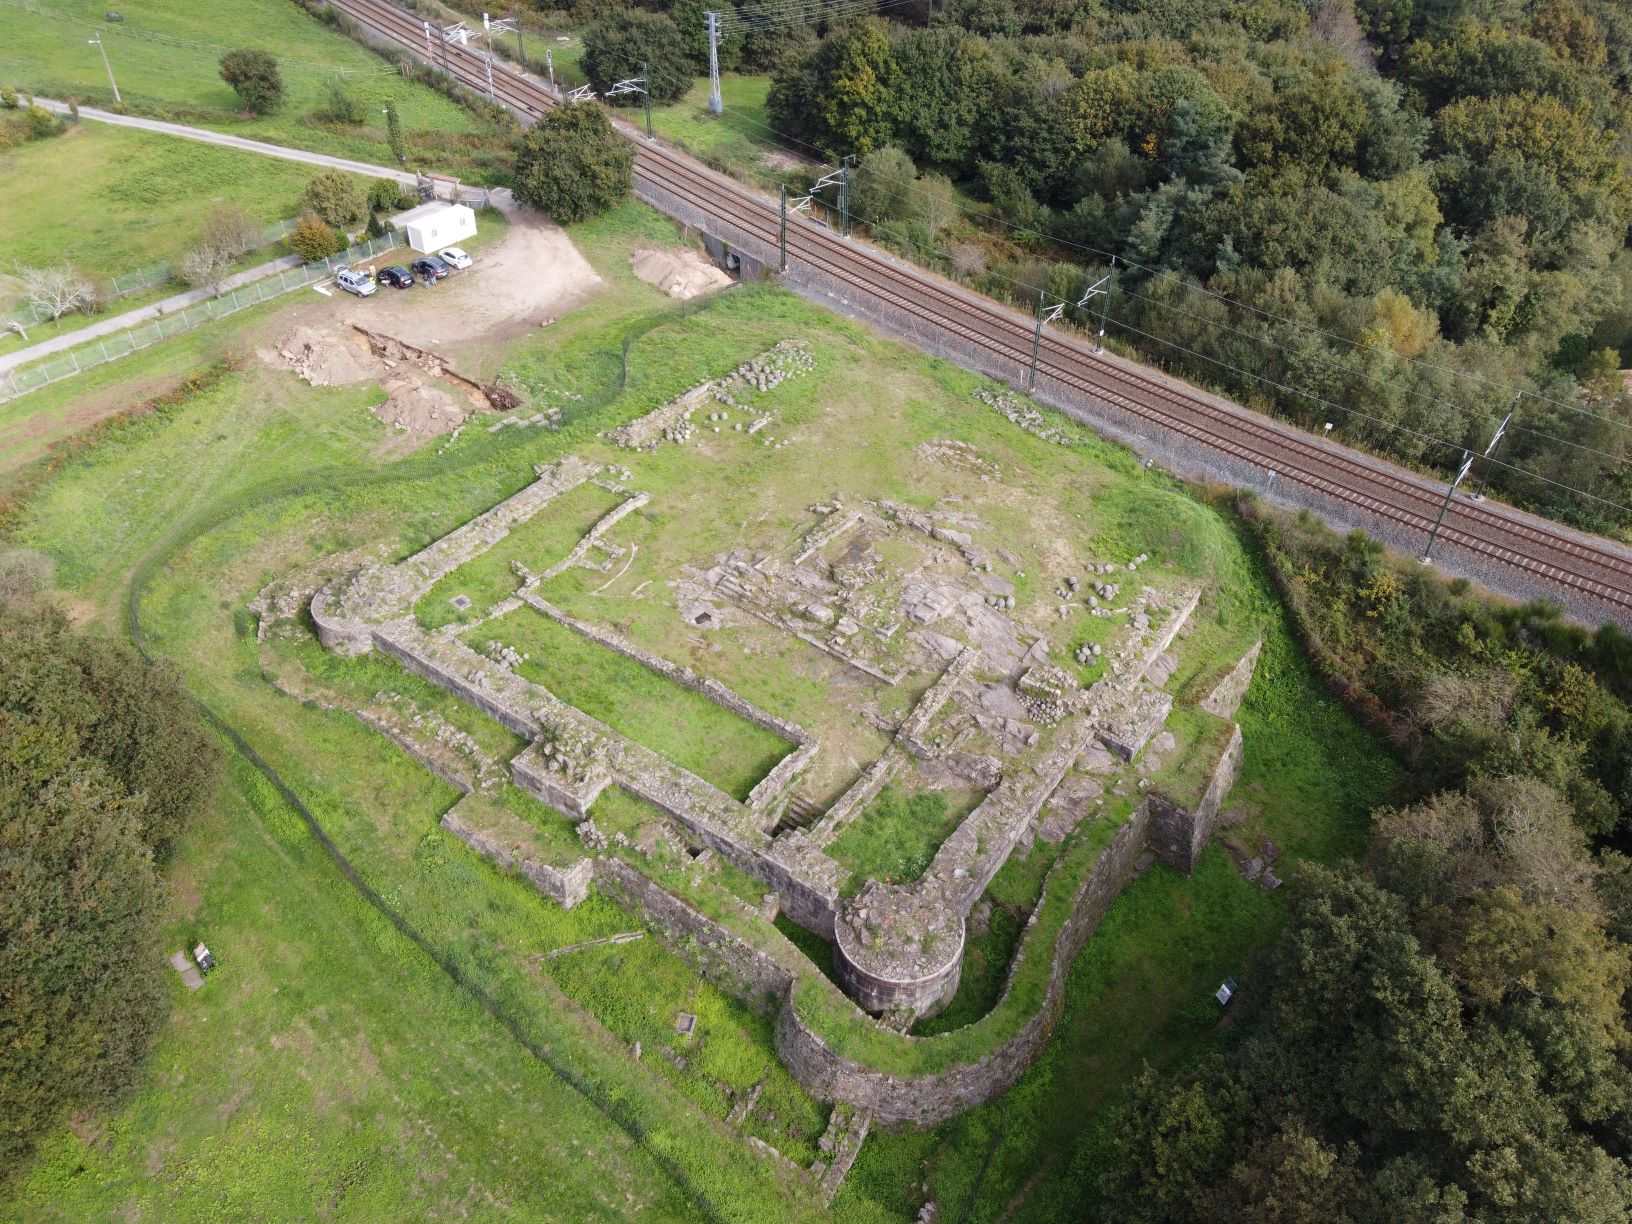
(143, 278)
(109, 348)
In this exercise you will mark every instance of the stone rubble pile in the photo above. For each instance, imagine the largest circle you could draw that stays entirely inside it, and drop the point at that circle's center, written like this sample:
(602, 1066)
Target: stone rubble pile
(1024, 415)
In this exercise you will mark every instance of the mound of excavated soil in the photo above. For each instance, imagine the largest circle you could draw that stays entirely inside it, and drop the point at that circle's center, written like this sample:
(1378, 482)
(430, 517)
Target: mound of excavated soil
(679, 273)
(328, 357)
(419, 408)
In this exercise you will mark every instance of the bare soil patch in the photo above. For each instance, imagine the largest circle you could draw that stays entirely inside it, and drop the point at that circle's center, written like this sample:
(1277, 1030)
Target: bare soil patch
(679, 272)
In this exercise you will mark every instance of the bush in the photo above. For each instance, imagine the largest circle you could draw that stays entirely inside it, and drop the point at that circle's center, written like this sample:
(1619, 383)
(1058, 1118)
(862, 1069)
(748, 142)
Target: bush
(203, 266)
(572, 164)
(8, 96)
(314, 239)
(340, 106)
(388, 195)
(335, 197)
(617, 45)
(40, 123)
(57, 291)
(255, 78)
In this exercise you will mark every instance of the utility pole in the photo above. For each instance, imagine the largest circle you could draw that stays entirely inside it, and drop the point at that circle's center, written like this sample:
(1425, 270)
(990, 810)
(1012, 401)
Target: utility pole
(782, 238)
(1461, 474)
(716, 104)
(97, 43)
(549, 66)
(1043, 316)
(646, 92)
(1495, 441)
(640, 85)
(1102, 290)
(521, 50)
(487, 60)
(844, 195)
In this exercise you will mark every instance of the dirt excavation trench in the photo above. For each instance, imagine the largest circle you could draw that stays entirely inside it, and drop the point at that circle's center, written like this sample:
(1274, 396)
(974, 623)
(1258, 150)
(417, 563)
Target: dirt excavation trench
(425, 396)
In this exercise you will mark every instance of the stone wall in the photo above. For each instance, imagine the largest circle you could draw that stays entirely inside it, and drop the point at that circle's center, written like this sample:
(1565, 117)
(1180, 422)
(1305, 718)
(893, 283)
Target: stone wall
(567, 885)
(1226, 696)
(1178, 834)
(714, 951)
(929, 1099)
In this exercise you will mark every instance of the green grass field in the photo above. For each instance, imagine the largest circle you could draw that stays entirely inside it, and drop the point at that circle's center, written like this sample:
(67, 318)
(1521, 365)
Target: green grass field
(113, 200)
(437, 1108)
(165, 55)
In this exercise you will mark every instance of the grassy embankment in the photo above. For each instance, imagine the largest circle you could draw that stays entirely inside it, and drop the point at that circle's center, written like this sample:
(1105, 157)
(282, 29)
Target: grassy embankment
(214, 497)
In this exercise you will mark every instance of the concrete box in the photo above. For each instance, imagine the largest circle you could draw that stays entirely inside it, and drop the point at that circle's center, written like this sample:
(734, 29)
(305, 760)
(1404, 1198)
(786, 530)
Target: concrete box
(436, 226)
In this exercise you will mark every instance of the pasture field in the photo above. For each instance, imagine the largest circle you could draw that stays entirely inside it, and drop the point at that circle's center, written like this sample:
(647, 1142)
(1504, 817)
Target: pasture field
(453, 1067)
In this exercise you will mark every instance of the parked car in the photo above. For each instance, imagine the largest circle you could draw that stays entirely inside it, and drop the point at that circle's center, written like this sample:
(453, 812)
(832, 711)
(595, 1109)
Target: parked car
(353, 281)
(397, 276)
(455, 257)
(430, 268)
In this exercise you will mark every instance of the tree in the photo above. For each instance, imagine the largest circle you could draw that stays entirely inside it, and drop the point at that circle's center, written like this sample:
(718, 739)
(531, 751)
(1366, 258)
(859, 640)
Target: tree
(944, 78)
(690, 18)
(394, 136)
(616, 46)
(230, 229)
(388, 195)
(102, 763)
(839, 98)
(314, 239)
(57, 291)
(334, 196)
(254, 77)
(203, 266)
(573, 164)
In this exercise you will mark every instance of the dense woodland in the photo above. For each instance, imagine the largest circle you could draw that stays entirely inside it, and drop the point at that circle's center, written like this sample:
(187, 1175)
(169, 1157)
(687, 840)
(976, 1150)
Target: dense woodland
(1441, 1032)
(103, 762)
(1386, 214)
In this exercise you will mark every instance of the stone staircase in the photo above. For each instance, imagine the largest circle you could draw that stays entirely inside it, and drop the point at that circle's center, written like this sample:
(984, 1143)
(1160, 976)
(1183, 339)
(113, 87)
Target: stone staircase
(800, 813)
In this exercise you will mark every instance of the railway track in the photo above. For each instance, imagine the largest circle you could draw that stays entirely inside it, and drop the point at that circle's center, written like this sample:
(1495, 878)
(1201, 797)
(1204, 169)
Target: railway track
(1591, 576)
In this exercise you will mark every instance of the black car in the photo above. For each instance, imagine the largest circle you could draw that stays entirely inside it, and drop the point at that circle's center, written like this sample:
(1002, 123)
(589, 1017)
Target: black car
(430, 268)
(397, 276)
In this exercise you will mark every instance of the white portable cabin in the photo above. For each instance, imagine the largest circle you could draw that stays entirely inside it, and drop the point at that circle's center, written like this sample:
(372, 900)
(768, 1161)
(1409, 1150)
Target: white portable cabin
(434, 226)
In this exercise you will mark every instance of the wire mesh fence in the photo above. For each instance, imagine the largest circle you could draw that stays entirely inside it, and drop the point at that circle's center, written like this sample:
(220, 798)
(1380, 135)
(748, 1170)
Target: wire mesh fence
(142, 279)
(109, 348)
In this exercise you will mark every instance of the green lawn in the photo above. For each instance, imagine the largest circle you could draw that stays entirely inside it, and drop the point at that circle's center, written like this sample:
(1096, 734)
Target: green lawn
(695, 733)
(112, 200)
(538, 543)
(897, 834)
(165, 55)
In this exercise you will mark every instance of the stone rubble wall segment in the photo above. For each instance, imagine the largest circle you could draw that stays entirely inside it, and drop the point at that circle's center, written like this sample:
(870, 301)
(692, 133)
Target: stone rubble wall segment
(566, 885)
(591, 538)
(1227, 695)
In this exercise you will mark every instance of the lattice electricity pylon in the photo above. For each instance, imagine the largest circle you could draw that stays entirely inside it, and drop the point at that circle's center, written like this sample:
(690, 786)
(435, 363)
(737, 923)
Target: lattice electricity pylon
(583, 93)
(636, 85)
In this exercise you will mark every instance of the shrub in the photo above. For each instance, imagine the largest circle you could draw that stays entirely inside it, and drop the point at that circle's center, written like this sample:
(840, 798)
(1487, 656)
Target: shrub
(335, 197)
(41, 123)
(617, 45)
(8, 96)
(394, 136)
(255, 78)
(314, 239)
(388, 195)
(339, 106)
(572, 164)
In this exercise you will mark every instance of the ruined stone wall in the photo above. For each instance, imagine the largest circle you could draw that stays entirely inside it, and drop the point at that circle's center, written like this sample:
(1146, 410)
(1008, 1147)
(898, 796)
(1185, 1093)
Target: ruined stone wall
(683, 676)
(413, 661)
(336, 632)
(1227, 694)
(567, 885)
(928, 1099)
(1177, 833)
(710, 948)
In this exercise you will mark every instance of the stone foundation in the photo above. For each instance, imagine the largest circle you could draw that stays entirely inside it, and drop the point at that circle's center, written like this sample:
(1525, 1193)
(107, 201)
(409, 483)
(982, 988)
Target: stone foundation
(507, 845)
(1178, 834)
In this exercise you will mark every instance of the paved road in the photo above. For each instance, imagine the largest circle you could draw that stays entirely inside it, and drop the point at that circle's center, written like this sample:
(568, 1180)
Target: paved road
(94, 115)
(142, 314)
